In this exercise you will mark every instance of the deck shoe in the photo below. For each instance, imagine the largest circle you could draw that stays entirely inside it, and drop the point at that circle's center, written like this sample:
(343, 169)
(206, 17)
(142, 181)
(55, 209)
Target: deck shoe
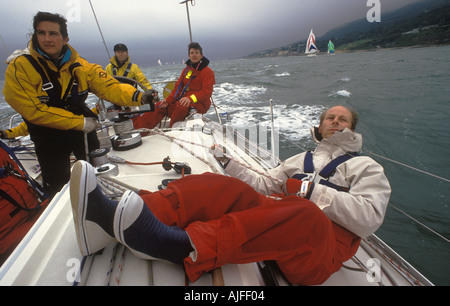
(136, 227)
(93, 212)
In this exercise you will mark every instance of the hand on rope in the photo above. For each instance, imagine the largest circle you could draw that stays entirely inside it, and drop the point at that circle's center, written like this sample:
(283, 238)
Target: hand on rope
(161, 104)
(150, 97)
(3, 134)
(219, 153)
(90, 124)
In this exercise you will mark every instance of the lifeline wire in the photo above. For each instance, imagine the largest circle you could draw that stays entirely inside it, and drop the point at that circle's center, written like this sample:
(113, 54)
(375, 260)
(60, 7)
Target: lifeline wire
(408, 166)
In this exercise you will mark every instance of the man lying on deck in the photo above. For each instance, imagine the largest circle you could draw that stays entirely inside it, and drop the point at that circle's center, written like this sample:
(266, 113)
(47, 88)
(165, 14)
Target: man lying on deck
(208, 220)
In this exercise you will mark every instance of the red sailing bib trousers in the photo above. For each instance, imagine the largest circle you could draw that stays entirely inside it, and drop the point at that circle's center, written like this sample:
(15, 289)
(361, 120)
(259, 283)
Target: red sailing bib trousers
(229, 222)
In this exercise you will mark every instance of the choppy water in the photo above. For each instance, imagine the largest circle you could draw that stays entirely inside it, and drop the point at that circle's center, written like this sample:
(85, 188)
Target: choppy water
(402, 97)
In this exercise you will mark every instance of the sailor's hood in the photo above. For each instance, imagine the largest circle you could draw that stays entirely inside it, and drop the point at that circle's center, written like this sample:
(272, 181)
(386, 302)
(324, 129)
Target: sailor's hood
(17, 53)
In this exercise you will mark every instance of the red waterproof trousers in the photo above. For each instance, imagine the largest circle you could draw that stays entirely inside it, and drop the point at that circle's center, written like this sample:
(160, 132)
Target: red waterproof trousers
(229, 222)
(149, 120)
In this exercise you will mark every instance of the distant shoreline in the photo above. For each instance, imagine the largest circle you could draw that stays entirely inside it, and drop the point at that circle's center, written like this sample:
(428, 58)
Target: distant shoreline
(337, 51)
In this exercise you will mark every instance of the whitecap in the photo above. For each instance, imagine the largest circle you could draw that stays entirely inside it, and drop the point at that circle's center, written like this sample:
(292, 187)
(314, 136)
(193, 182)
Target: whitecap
(236, 93)
(342, 93)
(292, 121)
(282, 74)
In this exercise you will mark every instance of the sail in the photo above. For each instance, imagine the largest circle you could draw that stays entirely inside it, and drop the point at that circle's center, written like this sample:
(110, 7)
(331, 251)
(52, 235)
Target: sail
(330, 47)
(311, 44)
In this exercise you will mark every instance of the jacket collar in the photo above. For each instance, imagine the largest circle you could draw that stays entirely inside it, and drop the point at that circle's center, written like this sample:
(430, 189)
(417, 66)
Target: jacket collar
(347, 140)
(115, 63)
(198, 66)
(67, 56)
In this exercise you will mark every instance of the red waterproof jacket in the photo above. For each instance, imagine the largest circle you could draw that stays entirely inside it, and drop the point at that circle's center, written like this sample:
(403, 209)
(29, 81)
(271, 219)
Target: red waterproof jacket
(195, 82)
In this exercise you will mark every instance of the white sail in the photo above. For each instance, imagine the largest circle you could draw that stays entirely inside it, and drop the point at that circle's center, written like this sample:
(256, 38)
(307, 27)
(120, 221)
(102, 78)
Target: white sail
(311, 47)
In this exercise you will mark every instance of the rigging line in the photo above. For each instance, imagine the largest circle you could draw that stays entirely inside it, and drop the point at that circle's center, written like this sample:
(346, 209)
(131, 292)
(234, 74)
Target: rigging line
(4, 44)
(418, 222)
(411, 167)
(98, 25)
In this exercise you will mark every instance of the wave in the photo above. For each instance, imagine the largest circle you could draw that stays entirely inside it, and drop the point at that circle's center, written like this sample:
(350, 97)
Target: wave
(291, 121)
(237, 93)
(282, 74)
(342, 93)
(243, 106)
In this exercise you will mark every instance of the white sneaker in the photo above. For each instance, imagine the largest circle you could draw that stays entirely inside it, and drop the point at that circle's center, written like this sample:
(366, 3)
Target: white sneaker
(91, 236)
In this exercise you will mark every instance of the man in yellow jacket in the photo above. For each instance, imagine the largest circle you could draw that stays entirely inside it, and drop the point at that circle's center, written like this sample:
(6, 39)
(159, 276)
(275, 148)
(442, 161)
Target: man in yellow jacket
(49, 87)
(120, 65)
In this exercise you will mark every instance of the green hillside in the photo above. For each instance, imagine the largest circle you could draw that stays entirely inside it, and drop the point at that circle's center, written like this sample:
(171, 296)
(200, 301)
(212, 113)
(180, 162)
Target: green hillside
(427, 28)
(405, 28)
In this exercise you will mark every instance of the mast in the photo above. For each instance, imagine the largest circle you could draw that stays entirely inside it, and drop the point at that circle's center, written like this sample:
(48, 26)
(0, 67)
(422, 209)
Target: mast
(188, 17)
(100, 29)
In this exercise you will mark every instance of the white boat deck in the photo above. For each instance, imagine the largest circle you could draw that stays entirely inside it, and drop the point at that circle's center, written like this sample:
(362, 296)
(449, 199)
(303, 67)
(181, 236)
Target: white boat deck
(49, 254)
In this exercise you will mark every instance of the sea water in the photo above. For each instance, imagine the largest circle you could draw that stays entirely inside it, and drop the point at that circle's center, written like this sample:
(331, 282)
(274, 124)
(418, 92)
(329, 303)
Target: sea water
(403, 99)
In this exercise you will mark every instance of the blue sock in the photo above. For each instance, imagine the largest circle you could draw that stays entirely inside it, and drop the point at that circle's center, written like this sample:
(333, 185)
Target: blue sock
(150, 236)
(101, 210)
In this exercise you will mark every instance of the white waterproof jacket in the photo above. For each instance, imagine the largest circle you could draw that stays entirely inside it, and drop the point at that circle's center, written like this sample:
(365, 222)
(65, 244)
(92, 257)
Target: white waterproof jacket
(361, 210)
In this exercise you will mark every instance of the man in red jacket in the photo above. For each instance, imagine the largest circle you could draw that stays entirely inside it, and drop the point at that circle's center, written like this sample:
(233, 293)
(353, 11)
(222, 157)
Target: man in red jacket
(193, 89)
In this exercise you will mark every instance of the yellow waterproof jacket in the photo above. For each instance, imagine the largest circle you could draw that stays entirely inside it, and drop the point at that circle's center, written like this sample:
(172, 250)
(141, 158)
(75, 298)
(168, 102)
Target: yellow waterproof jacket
(134, 72)
(23, 90)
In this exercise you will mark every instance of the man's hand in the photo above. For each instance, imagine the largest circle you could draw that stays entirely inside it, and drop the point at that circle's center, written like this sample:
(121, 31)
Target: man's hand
(90, 124)
(161, 104)
(298, 187)
(150, 97)
(185, 101)
(219, 153)
(3, 134)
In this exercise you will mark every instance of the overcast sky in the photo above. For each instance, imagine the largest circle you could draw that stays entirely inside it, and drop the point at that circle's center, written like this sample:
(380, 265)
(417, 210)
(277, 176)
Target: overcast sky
(158, 29)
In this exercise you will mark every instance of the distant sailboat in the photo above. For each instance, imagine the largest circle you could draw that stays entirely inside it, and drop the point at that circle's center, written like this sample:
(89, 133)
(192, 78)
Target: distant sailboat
(311, 48)
(330, 48)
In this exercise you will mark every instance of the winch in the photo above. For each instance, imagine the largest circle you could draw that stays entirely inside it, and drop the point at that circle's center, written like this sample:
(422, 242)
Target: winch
(99, 158)
(125, 138)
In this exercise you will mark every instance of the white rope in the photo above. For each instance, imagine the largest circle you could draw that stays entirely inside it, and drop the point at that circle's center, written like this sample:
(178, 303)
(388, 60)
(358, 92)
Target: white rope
(179, 142)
